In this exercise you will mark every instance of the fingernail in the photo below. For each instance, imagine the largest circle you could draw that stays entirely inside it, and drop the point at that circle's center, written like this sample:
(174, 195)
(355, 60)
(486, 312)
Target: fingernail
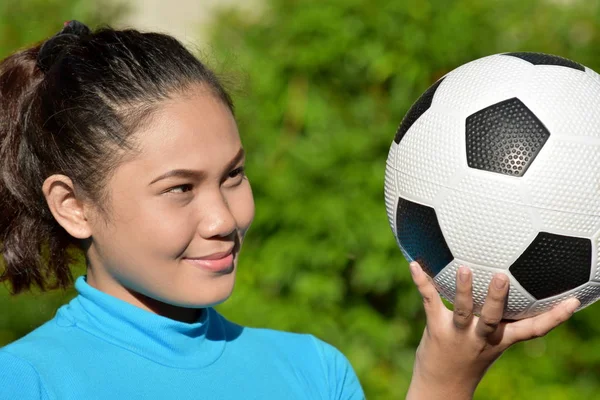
(500, 281)
(463, 274)
(572, 304)
(414, 268)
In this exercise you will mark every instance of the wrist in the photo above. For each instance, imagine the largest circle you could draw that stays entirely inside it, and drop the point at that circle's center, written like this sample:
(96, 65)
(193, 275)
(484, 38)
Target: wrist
(434, 380)
(433, 389)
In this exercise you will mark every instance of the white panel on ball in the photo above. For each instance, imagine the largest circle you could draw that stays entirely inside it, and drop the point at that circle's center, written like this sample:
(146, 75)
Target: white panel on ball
(485, 231)
(518, 302)
(566, 100)
(596, 255)
(391, 190)
(568, 223)
(480, 83)
(565, 177)
(593, 74)
(423, 167)
(493, 186)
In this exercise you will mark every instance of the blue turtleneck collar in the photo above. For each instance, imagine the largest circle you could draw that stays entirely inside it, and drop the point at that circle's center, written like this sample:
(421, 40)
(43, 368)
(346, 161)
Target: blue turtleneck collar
(157, 338)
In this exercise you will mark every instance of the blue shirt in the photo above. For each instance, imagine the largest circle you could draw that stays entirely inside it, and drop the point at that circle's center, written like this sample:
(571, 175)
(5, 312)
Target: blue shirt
(100, 347)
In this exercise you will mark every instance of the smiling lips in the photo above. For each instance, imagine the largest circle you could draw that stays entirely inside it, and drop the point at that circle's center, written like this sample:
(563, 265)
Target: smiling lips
(216, 262)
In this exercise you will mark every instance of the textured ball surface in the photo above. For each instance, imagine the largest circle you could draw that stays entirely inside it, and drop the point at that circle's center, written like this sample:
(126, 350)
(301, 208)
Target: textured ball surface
(497, 167)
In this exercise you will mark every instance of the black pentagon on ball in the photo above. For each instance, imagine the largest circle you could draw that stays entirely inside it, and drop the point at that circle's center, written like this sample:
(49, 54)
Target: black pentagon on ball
(416, 110)
(546, 59)
(421, 237)
(553, 264)
(504, 138)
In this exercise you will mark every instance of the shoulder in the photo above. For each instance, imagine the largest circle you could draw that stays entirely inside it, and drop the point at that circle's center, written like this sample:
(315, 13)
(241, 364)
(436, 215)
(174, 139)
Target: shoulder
(29, 364)
(319, 357)
(342, 380)
(270, 341)
(304, 353)
(19, 379)
(50, 337)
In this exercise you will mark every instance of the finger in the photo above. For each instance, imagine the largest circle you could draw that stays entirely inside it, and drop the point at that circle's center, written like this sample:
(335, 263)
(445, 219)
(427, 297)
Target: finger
(540, 325)
(493, 308)
(431, 299)
(463, 301)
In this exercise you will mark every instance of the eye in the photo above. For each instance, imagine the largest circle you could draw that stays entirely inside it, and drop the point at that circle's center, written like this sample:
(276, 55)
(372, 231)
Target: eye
(180, 188)
(237, 174)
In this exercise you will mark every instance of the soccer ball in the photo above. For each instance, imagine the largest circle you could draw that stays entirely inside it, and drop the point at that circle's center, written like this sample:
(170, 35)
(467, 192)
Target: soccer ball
(497, 167)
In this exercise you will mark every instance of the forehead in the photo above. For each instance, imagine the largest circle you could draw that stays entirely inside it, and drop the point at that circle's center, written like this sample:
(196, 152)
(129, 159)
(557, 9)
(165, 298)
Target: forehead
(192, 131)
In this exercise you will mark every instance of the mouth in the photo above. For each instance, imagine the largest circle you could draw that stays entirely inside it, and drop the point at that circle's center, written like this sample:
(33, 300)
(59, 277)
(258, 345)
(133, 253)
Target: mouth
(221, 262)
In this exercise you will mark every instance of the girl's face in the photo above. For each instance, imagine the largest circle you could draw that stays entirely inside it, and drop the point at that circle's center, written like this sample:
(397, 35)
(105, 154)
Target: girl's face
(184, 197)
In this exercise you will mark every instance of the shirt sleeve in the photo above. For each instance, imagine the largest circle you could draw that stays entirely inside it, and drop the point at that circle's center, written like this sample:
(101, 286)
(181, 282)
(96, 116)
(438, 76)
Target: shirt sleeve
(19, 379)
(342, 380)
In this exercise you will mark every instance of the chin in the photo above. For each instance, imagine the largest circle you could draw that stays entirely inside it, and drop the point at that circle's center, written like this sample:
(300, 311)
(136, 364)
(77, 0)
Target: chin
(202, 299)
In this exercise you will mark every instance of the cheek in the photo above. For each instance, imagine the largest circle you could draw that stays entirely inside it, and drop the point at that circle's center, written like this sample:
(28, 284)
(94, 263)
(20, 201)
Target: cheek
(241, 205)
(135, 234)
(162, 225)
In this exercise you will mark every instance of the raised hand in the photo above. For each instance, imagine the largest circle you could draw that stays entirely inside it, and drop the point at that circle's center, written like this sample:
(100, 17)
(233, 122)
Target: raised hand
(458, 347)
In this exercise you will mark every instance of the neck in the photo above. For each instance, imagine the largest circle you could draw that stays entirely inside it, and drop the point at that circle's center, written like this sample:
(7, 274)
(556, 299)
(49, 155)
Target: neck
(182, 314)
(177, 313)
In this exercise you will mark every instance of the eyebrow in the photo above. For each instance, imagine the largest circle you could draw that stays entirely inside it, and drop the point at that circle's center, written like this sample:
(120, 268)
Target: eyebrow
(198, 175)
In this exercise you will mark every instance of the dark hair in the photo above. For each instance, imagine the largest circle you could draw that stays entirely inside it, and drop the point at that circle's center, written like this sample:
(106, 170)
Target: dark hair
(68, 106)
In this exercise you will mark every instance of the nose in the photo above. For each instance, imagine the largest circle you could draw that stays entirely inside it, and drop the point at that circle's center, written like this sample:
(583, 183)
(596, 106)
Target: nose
(217, 219)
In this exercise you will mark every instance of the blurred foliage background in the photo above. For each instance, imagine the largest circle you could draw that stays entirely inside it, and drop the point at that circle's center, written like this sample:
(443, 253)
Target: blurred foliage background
(320, 88)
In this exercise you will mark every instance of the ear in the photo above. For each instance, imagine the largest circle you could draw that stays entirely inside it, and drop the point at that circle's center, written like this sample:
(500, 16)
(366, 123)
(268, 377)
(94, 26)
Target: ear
(68, 211)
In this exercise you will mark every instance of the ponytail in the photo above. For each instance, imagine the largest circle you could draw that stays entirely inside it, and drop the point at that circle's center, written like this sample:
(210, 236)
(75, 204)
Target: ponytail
(27, 230)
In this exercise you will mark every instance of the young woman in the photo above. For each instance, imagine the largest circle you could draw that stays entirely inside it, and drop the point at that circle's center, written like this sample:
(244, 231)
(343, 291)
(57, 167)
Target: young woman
(123, 145)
